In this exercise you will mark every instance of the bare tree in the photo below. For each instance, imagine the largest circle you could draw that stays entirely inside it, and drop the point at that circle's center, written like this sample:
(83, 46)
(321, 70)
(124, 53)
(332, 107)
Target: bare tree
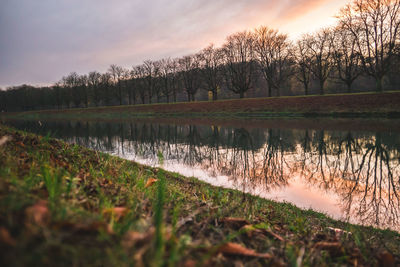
(94, 80)
(211, 59)
(151, 70)
(105, 83)
(346, 56)
(239, 66)
(174, 77)
(274, 56)
(83, 85)
(375, 24)
(189, 69)
(320, 47)
(303, 64)
(141, 82)
(117, 75)
(165, 74)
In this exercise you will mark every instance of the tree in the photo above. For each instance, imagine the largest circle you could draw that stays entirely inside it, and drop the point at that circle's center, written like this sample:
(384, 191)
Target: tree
(83, 85)
(174, 78)
(165, 75)
(189, 69)
(151, 70)
(375, 24)
(274, 56)
(211, 59)
(105, 84)
(320, 48)
(117, 75)
(94, 80)
(140, 74)
(71, 83)
(346, 57)
(303, 64)
(239, 66)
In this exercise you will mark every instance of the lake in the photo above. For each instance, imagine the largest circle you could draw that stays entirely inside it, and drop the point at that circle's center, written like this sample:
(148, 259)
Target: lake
(346, 168)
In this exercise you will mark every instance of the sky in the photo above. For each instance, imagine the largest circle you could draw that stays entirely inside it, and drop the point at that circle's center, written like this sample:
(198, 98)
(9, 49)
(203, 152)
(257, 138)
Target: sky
(43, 40)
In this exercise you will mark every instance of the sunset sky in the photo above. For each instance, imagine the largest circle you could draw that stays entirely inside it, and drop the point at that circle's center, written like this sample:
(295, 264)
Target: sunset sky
(42, 40)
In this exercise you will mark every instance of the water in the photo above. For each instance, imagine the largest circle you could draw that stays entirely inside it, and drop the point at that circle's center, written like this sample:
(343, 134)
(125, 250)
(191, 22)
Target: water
(348, 169)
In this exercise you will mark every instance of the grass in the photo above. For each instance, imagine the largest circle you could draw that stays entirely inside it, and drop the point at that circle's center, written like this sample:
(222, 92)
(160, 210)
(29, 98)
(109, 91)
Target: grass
(62, 204)
(370, 104)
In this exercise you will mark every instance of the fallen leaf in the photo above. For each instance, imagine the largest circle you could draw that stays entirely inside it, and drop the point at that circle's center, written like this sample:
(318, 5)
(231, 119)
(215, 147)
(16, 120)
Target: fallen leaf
(275, 235)
(239, 250)
(386, 259)
(84, 228)
(332, 247)
(117, 212)
(189, 263)
(20, 144)
(131, 238)
(6, 238)
(150, 182)
(38, 214)
(235, 222)
(4, 140)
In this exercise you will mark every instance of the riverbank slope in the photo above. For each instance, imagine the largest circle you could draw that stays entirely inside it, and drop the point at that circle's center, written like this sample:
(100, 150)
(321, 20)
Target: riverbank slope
(345, 105)
(66, 205)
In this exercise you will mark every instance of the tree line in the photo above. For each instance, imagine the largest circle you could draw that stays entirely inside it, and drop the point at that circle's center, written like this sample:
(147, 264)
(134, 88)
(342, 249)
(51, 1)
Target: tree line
(362, 48)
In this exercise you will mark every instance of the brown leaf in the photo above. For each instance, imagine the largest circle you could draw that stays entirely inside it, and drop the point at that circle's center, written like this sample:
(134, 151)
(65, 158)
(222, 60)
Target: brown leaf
(189, 263)
(150, 182)
(131, 238)
(4, 140)
(38, 214)
(239, 250)
(386, 259)
(275, 235)
(235, 222)
(332, 247)
(6, 238)
(84, 228)
(117, 212)
(20, 144)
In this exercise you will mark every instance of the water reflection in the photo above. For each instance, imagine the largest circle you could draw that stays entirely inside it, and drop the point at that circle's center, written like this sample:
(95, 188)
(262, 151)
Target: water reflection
(353, 176)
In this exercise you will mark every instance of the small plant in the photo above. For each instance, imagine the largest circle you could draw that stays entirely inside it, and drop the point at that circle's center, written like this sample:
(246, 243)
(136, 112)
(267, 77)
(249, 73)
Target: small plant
(158, 216)
(53, 182)
(160, 157)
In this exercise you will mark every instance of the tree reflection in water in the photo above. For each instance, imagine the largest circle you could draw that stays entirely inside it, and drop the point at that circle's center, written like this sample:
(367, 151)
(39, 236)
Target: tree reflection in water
(362, 169)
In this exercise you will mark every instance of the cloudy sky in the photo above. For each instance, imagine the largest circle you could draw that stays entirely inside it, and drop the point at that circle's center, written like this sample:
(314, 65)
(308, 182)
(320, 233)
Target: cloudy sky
(42, 40)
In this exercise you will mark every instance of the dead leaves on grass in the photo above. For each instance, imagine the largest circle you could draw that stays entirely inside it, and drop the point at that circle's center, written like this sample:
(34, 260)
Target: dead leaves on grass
(239, 250)
(150, 182)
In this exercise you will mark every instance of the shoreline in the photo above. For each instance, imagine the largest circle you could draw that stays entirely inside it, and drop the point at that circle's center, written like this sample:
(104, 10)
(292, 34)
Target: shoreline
(122, 202)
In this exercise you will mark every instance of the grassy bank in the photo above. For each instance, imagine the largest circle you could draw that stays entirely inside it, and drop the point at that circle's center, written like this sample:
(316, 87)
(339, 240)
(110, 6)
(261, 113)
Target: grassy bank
(63, 204)
(378, 105)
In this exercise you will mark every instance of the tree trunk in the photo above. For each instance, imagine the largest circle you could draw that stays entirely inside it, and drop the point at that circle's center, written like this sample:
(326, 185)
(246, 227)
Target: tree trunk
(241, 94)
(348, 87)
(305, 88)
(278, 91)
(321, 86)
(167, 98)
(215, 95)
(379, 87)
(269, 90)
